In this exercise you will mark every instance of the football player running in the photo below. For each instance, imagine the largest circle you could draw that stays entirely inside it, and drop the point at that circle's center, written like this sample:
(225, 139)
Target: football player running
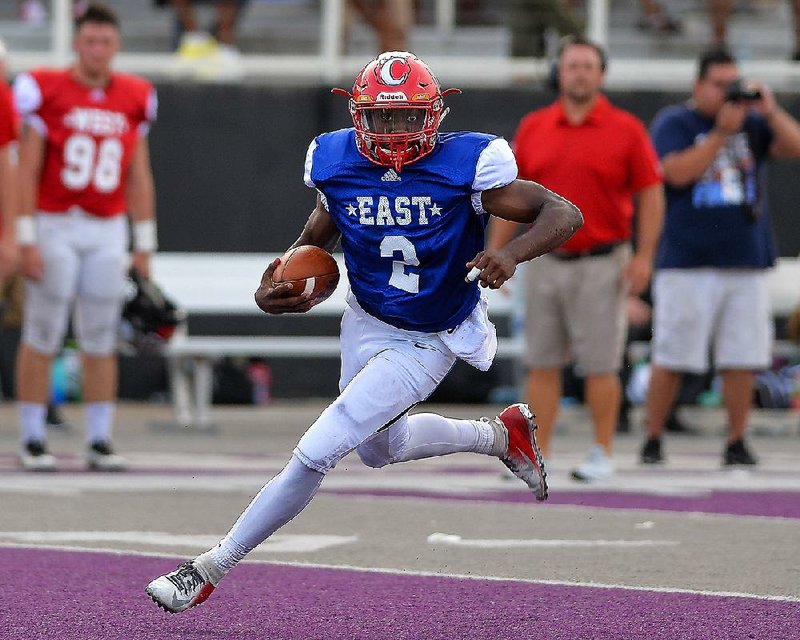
(410, 206)
(84, 163)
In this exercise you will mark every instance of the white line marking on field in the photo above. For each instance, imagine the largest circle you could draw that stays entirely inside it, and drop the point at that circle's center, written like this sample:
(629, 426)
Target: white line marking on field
(279, 543)
(458, 541)
(558, 583)
(413, 572)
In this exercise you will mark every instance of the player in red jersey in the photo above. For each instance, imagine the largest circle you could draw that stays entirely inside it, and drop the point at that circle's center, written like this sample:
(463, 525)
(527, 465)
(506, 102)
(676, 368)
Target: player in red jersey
(84, 164)
(9, 126)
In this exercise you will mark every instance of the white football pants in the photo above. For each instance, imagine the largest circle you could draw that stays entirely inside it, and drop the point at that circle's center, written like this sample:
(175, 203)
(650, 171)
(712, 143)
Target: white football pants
(85, 261)
(385, 371)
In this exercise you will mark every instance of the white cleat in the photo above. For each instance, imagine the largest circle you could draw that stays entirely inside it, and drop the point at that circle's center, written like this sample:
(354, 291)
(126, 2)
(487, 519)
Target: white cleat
(100, 456)
(35, 457)
(182, 589)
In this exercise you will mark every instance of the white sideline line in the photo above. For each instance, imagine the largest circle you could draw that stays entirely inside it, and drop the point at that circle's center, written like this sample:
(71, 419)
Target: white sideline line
(420, 573)
(278, 543)
(458, 541)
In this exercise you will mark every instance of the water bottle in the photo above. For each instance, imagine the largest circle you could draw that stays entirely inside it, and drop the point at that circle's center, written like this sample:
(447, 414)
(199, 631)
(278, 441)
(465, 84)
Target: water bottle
(59, 385)
(261, 379)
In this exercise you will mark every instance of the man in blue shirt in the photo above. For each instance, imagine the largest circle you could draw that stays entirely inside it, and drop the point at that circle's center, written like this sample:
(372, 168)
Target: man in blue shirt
(716, 245)
(410, 206)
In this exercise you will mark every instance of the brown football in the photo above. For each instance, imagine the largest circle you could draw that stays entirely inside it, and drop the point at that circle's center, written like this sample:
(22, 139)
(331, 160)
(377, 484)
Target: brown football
(309, 269)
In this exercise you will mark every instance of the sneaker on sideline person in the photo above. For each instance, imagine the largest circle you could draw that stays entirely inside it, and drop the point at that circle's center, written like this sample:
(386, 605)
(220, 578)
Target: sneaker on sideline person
(596, 467)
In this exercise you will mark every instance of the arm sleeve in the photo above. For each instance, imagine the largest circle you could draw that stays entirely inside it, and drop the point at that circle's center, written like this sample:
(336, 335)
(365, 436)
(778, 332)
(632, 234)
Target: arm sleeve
(309, 161)
(496, 167)
(28, 99)
(645, 167)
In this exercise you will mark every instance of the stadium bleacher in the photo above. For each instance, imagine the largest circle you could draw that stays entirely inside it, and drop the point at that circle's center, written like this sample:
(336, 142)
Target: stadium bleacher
(758, 32)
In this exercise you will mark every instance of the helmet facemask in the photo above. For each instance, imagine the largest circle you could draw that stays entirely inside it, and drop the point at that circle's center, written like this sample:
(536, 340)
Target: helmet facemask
(396, 135)
(397, 107)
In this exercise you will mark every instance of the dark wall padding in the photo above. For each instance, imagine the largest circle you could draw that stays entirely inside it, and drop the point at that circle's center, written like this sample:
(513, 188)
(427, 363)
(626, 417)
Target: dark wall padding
(228, 160)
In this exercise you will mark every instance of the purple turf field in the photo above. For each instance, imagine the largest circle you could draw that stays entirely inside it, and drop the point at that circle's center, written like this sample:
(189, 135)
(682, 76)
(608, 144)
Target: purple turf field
(66, 595)
(712, 533)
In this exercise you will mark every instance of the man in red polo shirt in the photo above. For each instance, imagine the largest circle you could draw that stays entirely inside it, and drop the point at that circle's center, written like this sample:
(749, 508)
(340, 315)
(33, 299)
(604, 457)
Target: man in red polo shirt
(601, 159)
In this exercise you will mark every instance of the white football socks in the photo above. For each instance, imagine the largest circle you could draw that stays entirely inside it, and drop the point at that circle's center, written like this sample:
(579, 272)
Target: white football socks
(218, 561)
(31, 419)
(99, 421)
(429, 434)
(422, 435)
(280, 500)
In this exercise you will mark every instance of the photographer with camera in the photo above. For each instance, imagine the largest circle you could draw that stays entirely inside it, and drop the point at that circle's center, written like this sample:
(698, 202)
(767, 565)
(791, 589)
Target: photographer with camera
(716, 245)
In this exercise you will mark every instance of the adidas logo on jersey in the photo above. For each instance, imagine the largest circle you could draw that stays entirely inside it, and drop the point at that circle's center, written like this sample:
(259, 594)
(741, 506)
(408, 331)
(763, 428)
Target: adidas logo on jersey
(390, 176)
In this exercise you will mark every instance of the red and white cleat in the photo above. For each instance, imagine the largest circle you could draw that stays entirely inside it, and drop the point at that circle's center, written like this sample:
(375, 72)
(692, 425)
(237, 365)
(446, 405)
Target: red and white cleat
(182, 589)
(523, 457)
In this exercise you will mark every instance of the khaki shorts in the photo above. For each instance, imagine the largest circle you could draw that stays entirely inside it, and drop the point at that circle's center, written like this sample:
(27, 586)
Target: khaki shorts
(724, 312)
(575, 312)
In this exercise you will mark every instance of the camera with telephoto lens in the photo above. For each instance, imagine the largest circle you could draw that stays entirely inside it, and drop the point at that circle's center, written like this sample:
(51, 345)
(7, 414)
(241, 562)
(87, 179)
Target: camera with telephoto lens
(736, 92)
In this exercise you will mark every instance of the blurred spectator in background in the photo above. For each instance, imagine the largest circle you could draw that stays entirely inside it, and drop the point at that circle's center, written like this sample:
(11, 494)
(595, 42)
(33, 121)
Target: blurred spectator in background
(9, 129)
(34, 12)
(11, 286)
(721, 10)
(84, 164)
(10, 290)
(390, 19)
(710, 288)
(530, 21)
(211, 52)
(656, 19)
(195, 40)
(600, 158)
(796, 22)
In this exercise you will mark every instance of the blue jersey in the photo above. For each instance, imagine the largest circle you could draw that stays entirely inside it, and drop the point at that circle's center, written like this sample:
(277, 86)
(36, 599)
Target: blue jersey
(406, 236)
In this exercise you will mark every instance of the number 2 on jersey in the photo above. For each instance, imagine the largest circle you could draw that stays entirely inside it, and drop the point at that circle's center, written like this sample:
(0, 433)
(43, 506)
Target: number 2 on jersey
(399, 278)
(85, 161)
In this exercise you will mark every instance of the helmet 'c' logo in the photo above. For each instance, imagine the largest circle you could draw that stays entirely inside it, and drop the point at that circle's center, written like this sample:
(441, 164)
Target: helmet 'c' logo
(394, 71)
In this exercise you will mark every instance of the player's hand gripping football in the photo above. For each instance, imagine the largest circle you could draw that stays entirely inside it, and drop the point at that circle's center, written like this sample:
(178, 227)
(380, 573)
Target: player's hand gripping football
(492, 268)
(276, 297)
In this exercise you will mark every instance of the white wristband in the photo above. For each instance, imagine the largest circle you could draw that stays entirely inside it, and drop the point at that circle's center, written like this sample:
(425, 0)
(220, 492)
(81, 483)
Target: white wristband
(144, 236)
(26, 230)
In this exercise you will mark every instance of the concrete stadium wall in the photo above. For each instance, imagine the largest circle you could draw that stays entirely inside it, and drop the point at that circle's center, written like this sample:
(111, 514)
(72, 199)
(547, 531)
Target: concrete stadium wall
(228, 160)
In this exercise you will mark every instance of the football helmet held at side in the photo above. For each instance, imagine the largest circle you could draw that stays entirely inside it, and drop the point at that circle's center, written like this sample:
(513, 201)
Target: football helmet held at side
(397, 106)
(149, 317)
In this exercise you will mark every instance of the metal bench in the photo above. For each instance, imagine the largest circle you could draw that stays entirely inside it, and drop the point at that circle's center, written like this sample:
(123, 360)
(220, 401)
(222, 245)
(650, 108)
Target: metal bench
(223, 284)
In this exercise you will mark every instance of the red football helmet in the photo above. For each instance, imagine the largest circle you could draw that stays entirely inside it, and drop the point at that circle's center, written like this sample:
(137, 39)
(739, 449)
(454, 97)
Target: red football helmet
(396, 107)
